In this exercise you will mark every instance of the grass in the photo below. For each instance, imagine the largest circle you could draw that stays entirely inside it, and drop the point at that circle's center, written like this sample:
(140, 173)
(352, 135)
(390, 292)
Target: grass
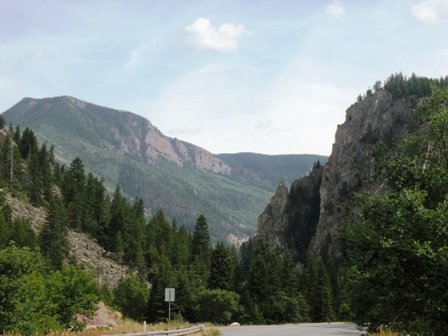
(386, 333)
(212, 332)
(125, 326)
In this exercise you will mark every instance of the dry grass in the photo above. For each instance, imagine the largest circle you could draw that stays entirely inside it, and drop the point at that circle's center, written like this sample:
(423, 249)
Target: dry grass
(125, 326)
(387, 333)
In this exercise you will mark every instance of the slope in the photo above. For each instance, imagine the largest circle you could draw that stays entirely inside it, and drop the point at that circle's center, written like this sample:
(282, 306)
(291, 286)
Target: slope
(269, 170)
(182, 179)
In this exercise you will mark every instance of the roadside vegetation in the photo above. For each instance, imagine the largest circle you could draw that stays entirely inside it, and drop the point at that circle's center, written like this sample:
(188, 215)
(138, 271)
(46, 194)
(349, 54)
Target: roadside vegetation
(392, 273)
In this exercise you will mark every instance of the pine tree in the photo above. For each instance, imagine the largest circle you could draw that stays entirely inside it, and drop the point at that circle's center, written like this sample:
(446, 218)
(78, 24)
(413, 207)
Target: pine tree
(317, 290)
(116, 222)
(201, 239)
(27, 144)
(221, 268)
(35, 182)
(53, 237)
(45, 172)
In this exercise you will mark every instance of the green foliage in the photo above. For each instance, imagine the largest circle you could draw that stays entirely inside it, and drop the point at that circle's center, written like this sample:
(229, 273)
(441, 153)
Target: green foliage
(168, 254)
(399, 256)
(401, 86)
(218, 306)
(273, 287)
(269, 170)
(33, 302)
(53, 237)
(95, 134)
(72, 291)
(2, 121)
(221, 269)
(131, 296)
(302, 209)
(201, 240)
(318, 290)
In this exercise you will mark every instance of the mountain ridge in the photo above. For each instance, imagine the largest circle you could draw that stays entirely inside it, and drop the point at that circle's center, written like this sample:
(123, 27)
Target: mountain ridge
(128, 150)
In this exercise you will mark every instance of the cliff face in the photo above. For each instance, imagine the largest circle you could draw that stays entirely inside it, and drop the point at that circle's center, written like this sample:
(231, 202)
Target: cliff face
(290, 219)
(311, 221)
(376, 120)
(117, 131)
(271, 222)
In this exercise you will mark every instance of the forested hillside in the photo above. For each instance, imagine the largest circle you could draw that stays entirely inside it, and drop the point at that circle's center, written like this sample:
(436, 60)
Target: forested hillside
(384, 266)
(212, 282)
(270, 170)
(166, 173)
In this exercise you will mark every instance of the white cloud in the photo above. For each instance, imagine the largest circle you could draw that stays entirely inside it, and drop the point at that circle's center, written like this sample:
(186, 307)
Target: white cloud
(430, 11)
(204, 35)
(336, 9)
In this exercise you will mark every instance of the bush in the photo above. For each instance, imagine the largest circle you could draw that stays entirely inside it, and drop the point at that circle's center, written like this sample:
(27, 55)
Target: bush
(216, 305)
(131, 296)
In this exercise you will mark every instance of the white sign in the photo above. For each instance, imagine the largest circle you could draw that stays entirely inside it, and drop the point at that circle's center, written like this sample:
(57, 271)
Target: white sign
(169, 294)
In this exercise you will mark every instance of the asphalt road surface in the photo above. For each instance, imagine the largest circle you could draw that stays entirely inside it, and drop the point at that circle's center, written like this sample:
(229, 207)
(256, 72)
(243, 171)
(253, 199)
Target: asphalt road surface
(305, 329)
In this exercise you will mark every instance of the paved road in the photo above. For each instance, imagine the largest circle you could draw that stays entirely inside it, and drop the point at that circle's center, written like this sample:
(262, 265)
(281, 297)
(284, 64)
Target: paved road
(305, 329)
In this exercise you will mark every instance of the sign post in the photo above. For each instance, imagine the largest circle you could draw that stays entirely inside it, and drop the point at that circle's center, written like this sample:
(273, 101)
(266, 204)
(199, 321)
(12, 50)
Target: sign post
(169, 297)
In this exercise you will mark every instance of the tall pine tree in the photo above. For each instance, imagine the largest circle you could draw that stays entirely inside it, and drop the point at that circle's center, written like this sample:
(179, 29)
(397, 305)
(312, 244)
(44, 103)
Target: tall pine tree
(53, 237)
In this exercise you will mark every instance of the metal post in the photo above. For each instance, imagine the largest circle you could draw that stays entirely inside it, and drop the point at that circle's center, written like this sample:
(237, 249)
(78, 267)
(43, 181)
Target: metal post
(144, 326)
(169, 314)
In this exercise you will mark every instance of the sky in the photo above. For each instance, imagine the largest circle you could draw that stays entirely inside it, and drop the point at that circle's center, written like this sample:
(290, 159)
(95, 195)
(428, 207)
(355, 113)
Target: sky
(266, 76)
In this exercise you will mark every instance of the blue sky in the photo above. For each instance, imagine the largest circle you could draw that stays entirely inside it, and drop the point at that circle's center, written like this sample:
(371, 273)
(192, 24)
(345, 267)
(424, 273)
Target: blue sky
(269, 76)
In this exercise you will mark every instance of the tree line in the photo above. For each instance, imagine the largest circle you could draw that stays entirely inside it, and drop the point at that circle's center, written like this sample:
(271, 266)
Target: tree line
(213, 282)
(392, 275)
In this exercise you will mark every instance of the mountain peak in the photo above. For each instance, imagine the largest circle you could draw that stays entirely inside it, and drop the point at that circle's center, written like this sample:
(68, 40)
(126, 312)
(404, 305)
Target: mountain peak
(110, 129)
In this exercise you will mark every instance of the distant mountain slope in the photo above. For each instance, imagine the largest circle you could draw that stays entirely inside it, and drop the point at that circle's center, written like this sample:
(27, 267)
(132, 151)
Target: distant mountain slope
(270, 169)
(182, 179)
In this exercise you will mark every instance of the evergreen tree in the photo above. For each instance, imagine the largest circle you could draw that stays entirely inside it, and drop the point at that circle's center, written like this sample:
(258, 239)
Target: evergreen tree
(201, 239)
(53, 237)
(45, 172)
(27, 144)
(133, 235)
(221, 268)
(35, 182)
(132, 295)
(161, 277)
(264, 280)
(22, 234)
(116, 222)
(2, 121)
(317, 290)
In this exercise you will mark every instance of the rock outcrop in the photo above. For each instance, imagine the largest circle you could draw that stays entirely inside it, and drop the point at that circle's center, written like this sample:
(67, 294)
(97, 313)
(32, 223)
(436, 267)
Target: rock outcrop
(94, 259)
(352, 166)
(20, 209)
(87, 252)
(321, 203)
(126, 133)
(271, 222)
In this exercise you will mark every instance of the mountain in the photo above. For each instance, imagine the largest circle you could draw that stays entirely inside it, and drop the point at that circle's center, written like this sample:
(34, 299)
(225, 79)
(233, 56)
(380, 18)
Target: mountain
(269, 170)
(310, 214)
(182, 179)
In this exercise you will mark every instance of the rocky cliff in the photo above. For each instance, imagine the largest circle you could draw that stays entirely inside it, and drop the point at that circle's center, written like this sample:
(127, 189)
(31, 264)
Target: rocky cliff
(271, 222)
(117, 131)
(378, 122)
(180, 178)
(320, 204)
